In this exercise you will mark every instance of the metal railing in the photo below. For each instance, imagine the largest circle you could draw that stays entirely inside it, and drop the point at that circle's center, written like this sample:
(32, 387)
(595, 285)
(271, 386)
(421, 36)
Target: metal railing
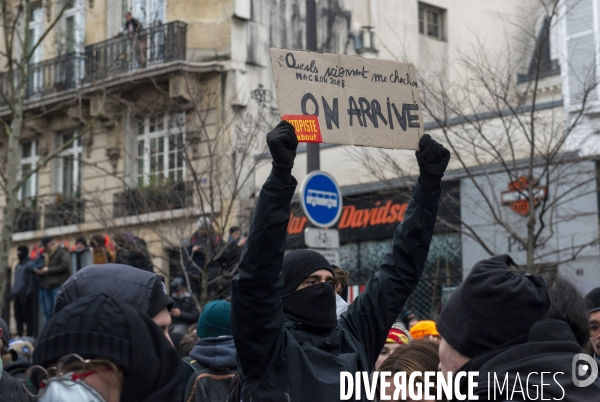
(149, 47)
(26, 219)
(64, 213)
(144, 200)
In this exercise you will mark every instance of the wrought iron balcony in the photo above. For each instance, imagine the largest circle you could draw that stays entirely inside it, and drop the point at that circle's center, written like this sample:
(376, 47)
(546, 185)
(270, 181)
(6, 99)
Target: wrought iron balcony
(152, 46)
(144, 200)
(26, 219)
(64, 213)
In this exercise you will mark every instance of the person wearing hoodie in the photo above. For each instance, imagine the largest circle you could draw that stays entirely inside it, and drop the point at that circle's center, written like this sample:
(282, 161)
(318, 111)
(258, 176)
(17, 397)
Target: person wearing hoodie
(21, 292)
(593, 301)
(480, 332)
(214, 353)
(55, 272)
(290, 344)
(103, 351)
(140, 289)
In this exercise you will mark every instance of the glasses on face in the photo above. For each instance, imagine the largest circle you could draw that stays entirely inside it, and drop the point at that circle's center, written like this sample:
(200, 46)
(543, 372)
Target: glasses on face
(36, 378)
(594, 330)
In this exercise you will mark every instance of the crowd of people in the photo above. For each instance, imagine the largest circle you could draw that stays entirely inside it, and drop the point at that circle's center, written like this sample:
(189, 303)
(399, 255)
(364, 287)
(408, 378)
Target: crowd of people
(115, 334)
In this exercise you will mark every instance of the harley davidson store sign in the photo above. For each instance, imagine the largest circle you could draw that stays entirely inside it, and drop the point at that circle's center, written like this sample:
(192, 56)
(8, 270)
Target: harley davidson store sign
(364, 217)
(517, 197)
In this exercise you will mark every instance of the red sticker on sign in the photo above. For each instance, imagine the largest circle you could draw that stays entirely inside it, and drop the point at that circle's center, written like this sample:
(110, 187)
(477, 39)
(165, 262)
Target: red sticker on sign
(307, 127)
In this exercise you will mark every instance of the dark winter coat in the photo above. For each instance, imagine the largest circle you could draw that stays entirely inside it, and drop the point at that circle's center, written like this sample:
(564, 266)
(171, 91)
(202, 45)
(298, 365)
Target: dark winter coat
(11, 390)
(280, 360)
(24, 278)
(189, 312)
(550, 348)
(59, 269)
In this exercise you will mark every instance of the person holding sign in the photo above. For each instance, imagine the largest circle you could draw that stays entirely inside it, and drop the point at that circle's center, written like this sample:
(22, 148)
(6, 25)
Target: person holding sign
(291, 346)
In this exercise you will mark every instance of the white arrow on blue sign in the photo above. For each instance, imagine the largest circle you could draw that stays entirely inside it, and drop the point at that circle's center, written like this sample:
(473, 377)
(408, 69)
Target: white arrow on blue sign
(321, 199)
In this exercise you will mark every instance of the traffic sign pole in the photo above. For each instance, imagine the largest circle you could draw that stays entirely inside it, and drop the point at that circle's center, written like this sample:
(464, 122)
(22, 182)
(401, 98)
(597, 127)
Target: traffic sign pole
(313, 161)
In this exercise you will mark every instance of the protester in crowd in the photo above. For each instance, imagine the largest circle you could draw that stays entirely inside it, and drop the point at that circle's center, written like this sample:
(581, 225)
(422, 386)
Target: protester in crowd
(55, 272)
(425, 329)
(568, 304)
(142, 290)
(184, 312)
(101, 254)
(81, 243)
(205, 246)
(21, 292)
(103, 350)
(289, 341)
(10, 387)
(497, 322)
(342, 278)
(232, 251)
(213, 356)
(132, 251)
(187, 342)
(408, 318)
(18, 358)
(419, 357)
(397, 336)
(593, 309)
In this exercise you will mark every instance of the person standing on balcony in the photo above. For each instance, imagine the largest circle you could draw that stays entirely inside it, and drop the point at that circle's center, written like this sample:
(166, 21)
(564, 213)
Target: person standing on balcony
(53, 274)
(21, 292)
(133, 30)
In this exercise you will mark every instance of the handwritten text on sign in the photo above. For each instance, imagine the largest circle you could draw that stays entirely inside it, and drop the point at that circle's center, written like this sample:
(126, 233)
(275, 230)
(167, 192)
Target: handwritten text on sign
(367, 102)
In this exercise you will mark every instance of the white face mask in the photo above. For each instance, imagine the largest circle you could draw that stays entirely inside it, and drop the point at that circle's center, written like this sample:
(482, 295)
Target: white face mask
(70, 391)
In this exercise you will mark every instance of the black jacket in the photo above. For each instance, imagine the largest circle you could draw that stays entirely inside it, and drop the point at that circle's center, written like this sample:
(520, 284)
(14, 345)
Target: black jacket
(24, 278)
(282, 361)
(550, 348)
(59, 269)
(189, 312)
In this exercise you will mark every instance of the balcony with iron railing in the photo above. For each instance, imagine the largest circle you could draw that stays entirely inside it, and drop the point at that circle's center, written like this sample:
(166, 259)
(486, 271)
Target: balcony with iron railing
(124, 54)
(64, 212)
(155, 198)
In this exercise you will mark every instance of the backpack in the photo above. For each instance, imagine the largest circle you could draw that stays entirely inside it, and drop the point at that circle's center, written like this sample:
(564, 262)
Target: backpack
(209, 385)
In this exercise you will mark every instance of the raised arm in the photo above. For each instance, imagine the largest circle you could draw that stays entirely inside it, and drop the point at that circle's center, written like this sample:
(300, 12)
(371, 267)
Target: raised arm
(257, 313)
(372, 314)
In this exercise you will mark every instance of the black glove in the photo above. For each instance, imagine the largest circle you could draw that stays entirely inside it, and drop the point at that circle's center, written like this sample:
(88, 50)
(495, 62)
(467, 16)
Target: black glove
(282, 142)
(433, 160)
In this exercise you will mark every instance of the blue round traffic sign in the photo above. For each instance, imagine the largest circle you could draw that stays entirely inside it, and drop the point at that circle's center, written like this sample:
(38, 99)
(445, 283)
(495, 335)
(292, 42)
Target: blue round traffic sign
(321, 199)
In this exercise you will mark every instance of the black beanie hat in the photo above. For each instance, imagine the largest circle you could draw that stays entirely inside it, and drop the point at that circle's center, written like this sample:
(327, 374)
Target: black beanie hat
(140, 289)
(101, 327)
(46, 240)
(491, 307)
(299, 264)
(593, 300)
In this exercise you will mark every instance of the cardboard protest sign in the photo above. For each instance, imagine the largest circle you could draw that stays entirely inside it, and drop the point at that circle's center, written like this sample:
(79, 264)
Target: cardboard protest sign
(358, 101)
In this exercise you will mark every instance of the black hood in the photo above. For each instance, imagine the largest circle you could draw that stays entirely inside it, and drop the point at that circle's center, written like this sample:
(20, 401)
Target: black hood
(215, 353)
(551, 347)
(99, 326)
(140, 289)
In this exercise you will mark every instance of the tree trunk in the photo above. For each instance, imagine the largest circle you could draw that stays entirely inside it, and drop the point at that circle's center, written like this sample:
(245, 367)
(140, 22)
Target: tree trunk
(11, 194)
